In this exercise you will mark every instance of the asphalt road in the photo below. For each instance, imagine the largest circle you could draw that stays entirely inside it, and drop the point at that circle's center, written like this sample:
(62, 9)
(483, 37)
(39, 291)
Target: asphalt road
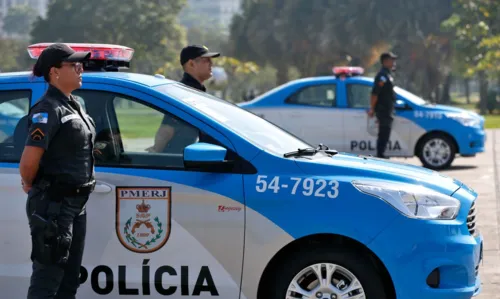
(482, 174)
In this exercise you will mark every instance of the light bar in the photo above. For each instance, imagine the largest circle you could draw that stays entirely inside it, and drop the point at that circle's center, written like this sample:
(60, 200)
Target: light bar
(99, 51)
(348, 70)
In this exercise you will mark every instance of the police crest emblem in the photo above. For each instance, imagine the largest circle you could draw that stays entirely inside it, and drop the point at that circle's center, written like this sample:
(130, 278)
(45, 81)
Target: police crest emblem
(143, 217)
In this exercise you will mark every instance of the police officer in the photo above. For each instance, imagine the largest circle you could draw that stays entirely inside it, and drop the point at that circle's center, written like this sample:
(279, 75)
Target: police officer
(57, 171)
(173, 135)
(382, 101)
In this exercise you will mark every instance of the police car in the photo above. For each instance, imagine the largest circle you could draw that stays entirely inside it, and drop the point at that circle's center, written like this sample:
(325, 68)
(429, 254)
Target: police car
(254, 213)
(333, 110)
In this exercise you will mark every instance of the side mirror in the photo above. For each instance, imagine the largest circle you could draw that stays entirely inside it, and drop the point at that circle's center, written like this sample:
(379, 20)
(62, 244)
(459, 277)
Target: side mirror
(205, 156)
(401, 105)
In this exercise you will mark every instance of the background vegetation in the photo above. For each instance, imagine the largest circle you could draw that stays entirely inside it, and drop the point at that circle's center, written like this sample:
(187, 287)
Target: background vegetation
(449, 49)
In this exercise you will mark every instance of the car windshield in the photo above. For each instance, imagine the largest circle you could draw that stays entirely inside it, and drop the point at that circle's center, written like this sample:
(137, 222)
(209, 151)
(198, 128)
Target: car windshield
(253, 128)
(410, 96)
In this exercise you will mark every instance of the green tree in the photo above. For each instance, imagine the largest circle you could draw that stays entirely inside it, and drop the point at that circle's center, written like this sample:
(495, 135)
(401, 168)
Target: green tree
(149, 26)
(19, 19)
(257, 35)
(312, 36)
(14, 55)
(476, 29)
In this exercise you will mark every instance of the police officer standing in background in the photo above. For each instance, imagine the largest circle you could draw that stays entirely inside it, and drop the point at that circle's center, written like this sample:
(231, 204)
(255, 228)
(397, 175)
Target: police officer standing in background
(57, 171)
(196, 62)
(382, 101)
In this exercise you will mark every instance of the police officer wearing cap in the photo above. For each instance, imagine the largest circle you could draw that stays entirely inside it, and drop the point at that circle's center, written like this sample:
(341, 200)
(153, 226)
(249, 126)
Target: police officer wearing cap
(382, 101)
(57, 171)
(173, 135)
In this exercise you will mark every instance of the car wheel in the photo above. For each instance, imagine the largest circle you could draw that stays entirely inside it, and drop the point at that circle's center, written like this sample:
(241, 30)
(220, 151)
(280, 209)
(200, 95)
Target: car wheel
(437, 151)
(326, 273)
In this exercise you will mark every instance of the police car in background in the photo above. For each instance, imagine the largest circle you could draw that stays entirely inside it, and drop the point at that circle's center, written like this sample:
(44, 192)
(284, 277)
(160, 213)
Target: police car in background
(247, 211)
(333, 110)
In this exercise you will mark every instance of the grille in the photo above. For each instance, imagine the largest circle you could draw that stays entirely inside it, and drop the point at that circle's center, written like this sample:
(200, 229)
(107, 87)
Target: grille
(477, 270)
(471, 219)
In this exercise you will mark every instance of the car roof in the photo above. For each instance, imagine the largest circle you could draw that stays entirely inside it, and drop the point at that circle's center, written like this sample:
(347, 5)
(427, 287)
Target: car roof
(92, 77)
(278, 91)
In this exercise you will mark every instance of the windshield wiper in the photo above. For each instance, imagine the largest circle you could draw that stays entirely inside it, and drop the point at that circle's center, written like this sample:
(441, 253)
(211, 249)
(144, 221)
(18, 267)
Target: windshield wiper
(309, 151)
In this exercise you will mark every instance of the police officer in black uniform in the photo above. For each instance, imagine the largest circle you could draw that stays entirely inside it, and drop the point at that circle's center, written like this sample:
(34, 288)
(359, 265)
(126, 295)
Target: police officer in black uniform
(57, 171)
(173, 135)
(382, 101)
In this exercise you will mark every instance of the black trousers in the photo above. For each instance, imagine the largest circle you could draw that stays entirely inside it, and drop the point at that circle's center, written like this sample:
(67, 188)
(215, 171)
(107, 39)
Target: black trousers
(384, 133)
(58, 281)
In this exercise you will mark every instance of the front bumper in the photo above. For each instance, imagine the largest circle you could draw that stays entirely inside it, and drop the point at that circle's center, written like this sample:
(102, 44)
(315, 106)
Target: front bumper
(432, 259)
(471, 142)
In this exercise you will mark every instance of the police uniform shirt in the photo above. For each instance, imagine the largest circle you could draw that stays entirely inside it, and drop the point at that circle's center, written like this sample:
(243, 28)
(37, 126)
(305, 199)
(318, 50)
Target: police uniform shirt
(184, 134)
(383, 87)
(61, 127)
(192, 82)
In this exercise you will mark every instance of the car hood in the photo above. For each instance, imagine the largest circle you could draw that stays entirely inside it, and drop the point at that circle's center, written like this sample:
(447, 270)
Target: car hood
(445, 108)
(363, 167)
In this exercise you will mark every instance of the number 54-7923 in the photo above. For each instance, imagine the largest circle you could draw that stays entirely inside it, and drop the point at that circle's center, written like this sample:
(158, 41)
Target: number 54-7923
(317, 187)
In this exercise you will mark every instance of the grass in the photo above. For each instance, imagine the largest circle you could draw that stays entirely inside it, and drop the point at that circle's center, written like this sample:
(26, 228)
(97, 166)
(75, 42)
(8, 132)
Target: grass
(492, 121)
(138, 122)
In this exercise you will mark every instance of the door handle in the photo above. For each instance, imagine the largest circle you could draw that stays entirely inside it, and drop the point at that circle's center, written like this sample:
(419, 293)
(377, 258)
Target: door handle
(102, 188)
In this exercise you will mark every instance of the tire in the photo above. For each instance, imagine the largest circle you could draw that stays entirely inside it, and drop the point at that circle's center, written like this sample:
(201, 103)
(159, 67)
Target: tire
(357, 266)
(436, 151)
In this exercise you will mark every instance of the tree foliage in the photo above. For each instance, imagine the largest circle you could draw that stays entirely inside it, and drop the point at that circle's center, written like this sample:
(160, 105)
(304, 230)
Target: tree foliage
(149, 26)
(19, 19)
(475, 26)
(476, 29)
(312, 36)
(14, 55)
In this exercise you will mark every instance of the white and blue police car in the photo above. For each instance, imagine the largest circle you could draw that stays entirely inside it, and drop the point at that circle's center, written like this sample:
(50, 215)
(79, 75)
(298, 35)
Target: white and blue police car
(333, 110)
(245, 211)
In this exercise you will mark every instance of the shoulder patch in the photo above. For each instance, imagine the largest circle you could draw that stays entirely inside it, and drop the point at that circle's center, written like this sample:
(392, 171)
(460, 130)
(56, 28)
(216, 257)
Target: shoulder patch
(40, 118)
(37, 135)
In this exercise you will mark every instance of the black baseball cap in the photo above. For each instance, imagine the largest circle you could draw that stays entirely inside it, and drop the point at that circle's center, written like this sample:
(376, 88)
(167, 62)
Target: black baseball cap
(386, 55)
(55, 54)
(195, 51)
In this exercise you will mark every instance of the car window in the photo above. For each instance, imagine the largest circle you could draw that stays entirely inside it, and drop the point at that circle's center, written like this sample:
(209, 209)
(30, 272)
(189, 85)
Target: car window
(140, 125)
(249, 126)
(318, 95)
(14, 105)
(131, 132)
(358, 95)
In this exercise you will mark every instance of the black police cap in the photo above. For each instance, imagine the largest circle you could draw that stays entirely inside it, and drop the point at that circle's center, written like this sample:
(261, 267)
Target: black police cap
(386, 55)
(195, 51)
(55, 54)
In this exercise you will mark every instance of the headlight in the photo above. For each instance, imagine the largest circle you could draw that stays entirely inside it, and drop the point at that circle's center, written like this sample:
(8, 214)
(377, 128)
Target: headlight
(412, 200)
(465, 119)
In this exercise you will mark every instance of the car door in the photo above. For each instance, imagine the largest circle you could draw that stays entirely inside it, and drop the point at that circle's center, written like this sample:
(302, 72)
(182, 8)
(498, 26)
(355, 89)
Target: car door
(311, 114)
(154, 228)
(159, 228)
(361, 131)
(15, 102)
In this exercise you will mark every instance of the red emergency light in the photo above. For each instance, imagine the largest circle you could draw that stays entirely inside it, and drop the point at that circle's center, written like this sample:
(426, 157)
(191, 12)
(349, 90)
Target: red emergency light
(348, 71)
(99, 51)
(104, 57)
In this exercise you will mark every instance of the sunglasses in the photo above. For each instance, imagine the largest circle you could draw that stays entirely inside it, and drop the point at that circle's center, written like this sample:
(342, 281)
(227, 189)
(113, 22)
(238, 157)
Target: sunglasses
(77, 66)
